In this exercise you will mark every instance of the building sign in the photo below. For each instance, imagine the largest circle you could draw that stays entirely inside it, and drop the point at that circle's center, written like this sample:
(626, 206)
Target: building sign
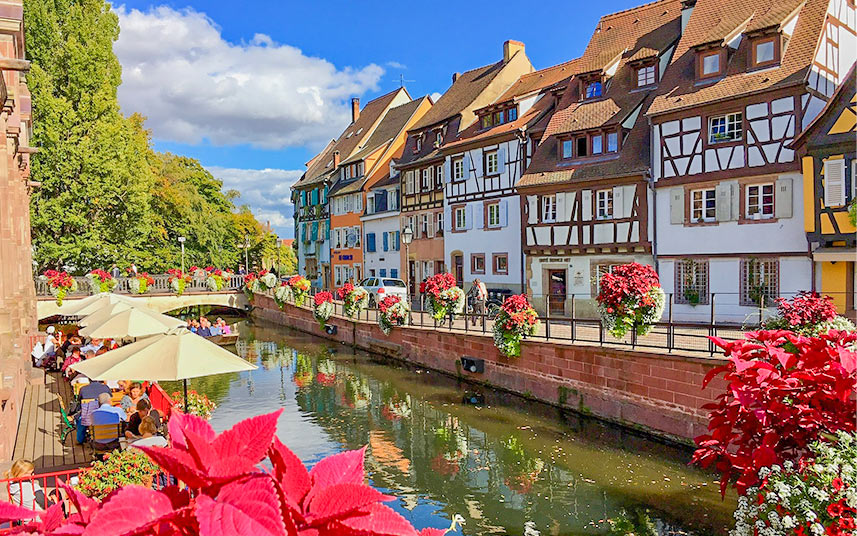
(346, 257)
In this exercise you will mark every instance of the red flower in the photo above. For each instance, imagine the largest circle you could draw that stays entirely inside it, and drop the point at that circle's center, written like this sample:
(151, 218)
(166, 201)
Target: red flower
(322, 297)
(837, 484)
(344, 290)
(836, 509)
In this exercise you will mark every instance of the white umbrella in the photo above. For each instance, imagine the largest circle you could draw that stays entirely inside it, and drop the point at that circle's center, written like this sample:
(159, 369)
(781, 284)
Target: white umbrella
(176, 355)
(131, 323)
(89, 305)
(104, 313)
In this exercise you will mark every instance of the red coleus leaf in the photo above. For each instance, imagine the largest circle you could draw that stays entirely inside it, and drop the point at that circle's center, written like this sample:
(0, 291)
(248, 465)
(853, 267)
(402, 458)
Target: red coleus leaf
(290, 473)
(379, 520)
(178, 463)
(248, 440)
(130, 510)
(244, 508)
(52, 518)
(10, 512)
(343, 468)
(431, 531)
(179, 422)
(340, 500)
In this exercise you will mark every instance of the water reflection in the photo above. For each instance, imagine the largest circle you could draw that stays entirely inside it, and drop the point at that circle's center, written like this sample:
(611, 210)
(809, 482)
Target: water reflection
(444, 448)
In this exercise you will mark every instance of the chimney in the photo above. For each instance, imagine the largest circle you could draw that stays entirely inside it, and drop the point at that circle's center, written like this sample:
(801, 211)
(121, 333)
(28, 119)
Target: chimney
(335, 159)
(510, 47)
(455, 77)
(355, 109)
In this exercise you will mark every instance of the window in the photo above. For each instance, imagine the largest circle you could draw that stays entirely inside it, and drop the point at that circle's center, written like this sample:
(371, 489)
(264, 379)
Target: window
(725, 128)
(512, 114)
(492, 166)
(691, 282)
(597, 142)
(460, 219)
(486, 121)
(410, 182)
(646, 76)
(438, 176)
(604, 200)
(493, 216)
(477, 263)
(500, 264)
(834, 182)
(612, 142)
(438, 139)
(498, 118)
(709, 64)
(765, 51)
(702, 205)
(424, 225)
(549, 208)
(418, 143)
(393, 199)
(599, 270)
(427, 265)
(567, 148)
(439, 222)
(760, 281)
(760, 201)
(582, 146)
(426, 182)
(593, 90)
(458, 169)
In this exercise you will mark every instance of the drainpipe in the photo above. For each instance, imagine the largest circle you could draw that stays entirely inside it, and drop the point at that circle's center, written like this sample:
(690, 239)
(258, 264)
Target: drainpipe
(651, 184)
(521, 134)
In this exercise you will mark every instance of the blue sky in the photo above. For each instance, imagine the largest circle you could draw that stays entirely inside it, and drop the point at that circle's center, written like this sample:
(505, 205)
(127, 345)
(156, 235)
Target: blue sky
(253, 89)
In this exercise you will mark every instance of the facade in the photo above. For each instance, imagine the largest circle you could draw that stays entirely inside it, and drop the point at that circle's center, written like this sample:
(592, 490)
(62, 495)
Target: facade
(585, 200)
(310, 192)
(421, 166)
(17, 293)
(827, 152)
(358, 173)
(481, 166)
(382, 239)
(744, 79)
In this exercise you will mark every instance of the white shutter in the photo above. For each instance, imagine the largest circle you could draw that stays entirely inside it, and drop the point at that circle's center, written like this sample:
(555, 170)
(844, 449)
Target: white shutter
(586, 204)
(477, 164)
(834, 183)
(359, 202)
(501, 159)
(447, 170)
(468, 217)
(478, 217)
(431, 225)
(736, 199)
(677, 205)
(619, 202)
(560, 206)
(504, 213)
(783, 198)
(532, 209)
(569, 206)
(723, 202)
(466, 163)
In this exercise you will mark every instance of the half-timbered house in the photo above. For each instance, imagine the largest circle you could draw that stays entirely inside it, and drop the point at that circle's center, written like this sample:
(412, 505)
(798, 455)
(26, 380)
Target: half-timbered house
(585, 198)
(746, 76)
(421, 166)
(827, 151)
(481, 166)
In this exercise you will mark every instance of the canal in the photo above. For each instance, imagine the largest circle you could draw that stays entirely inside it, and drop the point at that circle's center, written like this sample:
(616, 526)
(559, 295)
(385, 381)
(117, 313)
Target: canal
(443, 447)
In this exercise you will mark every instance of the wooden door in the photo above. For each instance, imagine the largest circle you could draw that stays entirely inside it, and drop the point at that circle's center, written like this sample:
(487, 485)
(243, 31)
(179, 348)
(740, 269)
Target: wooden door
(458, 262)
(556, 292)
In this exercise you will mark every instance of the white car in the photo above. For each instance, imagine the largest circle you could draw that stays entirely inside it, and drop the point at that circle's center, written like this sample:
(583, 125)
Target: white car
(380, 287)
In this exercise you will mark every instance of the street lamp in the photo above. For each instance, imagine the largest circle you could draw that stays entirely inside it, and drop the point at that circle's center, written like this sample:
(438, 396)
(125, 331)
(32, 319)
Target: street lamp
(407, 238)
(181, 241)
(246, 248)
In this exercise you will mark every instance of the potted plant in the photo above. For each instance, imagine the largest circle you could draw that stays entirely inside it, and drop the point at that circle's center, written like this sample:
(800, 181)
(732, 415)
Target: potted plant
(100, 281)
(283, 294)
(322, 307)
(393, 311)
(692, 296)
(140, 283)
(59, 284)
(300, 288)
(515, 320)
(178, 280)
(354, 299)
(630, 298)
(118, 469)
(445, 298)
(808, 314)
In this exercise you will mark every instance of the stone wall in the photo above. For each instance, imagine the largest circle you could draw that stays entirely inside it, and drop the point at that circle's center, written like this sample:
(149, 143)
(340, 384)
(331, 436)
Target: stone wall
(17, 294)
(659, 393)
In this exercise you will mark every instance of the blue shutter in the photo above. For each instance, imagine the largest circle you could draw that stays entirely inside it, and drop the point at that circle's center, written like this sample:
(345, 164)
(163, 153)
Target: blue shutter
(303, 198)
(397, 242)
(314, 235)
(324, 196)
(383, 272)
(394, 273)
(315, 196)
(370, 242)
(386, 242)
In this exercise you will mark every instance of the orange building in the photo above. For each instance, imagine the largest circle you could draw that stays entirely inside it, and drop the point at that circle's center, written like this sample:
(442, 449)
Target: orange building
(369, 165)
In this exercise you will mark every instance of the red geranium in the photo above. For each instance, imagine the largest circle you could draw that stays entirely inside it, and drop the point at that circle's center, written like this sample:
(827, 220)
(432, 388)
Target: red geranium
(322, 297)
(627, 281)
(102, 275)
(437, 283)
(388, 302)
(344, 290)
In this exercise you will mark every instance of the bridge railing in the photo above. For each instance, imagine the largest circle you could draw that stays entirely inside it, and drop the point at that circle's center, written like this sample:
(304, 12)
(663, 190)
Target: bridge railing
(161, 285)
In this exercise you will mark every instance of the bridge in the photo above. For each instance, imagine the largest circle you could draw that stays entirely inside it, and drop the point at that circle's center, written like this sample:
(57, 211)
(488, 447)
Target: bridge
(159, 296)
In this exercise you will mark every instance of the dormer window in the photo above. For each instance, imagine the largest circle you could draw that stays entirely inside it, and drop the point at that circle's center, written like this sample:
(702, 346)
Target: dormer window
(766, 51)
(710, 63)
(646, 75)
(418, 143)
(498, 117)
(592, 90)
(438, 141)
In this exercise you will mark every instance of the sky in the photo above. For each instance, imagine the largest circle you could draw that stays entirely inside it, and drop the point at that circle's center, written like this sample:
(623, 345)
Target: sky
(254, 89)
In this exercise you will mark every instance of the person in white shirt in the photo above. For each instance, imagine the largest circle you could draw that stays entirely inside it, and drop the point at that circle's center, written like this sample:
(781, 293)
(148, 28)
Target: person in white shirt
(148, 435)
(479, 294)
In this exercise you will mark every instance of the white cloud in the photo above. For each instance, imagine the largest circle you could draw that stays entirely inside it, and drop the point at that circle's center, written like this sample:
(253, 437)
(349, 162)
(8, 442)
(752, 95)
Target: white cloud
(266, 191)
(396, 65)
(193, 85)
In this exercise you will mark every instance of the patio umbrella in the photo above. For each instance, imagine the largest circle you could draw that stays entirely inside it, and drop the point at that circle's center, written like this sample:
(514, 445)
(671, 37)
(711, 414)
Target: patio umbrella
(89, 305)
(176, 355)
(131, 323)
(105, 312)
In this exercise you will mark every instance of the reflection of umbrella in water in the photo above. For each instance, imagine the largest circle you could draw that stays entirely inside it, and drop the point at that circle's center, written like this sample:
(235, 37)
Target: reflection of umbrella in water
(131, 323)
(175, 355)
(89, 305)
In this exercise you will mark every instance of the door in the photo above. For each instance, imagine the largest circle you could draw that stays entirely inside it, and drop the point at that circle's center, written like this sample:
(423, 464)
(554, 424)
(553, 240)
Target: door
(458, 262)
(412, 277)
(556, 292)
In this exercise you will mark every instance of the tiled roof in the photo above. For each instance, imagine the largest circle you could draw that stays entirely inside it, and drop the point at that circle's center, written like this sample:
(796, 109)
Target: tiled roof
(387, 181)
(711, 20)
(541, 79)
(392, 124)
(460, 94)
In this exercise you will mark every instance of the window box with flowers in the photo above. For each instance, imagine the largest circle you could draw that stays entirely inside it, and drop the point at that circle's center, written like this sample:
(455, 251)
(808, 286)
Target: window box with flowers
(59, 284)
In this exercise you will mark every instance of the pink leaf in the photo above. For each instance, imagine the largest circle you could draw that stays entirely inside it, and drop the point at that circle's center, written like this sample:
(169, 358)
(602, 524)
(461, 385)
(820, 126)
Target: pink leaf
(179, 422)
(290, 472)
(249, 438)
(52, 518)
(200, 450)
(84, 505)
(343, 468)
(131, 508)
(341, 499)
(848, 360)
(380, 520)
(246, 508)
(178, 463)
(431, 531)
(11, 512)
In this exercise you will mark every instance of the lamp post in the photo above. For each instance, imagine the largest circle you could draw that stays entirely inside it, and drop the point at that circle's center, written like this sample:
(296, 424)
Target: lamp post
(181, 241)
(407, 238)
(246, 254)
(277, 242)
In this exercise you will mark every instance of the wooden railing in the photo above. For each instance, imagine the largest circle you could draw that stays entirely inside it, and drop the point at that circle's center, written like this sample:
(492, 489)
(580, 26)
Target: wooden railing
(161, 285)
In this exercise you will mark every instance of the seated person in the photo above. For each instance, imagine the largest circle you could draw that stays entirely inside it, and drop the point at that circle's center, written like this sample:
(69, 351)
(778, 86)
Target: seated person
(224, 327)
(148, 435)
(134, 393)
(107, 414)
(26, 493)
(71, 359)
(204, 327)
(93, 390)
(144, 409)
(80, 379)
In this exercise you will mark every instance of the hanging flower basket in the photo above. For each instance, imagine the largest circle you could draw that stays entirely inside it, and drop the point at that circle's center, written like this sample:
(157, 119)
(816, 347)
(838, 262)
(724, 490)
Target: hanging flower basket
(322, 307)
(100, 281)
(354, 299)
(197, 404)
(140, 283)
(393, 311)
(445, 299)
(283, 294)
(178, 280)
(59, 284)
(300, 288)
(630, 298)
(808, 314)
(516, 320)
(215, 278)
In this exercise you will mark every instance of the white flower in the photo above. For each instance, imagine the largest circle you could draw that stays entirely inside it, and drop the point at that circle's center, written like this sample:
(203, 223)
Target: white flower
(817, 529)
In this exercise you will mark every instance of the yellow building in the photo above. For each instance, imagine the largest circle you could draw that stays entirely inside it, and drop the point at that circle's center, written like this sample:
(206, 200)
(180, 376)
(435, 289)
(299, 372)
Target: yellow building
(827, 150)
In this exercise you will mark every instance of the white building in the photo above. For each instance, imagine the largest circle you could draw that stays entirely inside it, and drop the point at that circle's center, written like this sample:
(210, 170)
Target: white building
(381, 236)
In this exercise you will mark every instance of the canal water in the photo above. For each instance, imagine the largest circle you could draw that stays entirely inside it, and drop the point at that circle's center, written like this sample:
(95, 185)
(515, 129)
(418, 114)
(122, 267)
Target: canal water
(442, 447)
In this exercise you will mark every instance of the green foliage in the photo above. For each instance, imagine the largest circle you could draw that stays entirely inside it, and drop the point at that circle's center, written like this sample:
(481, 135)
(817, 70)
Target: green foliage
(105, 195)
(119, 468)
(852, 212)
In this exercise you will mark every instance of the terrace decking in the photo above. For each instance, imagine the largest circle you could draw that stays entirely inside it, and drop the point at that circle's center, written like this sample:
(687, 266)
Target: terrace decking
(38, 437)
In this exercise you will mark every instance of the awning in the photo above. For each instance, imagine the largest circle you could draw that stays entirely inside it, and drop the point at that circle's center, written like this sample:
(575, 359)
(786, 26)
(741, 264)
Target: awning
(835, 254)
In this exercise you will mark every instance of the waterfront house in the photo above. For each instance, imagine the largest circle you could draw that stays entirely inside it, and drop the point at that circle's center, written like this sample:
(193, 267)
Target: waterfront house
(585, 198)
(357, 174)
(310, 192)
(481, 166)
(827, 153)
(745, 78)
(421, 166)
(382, 238)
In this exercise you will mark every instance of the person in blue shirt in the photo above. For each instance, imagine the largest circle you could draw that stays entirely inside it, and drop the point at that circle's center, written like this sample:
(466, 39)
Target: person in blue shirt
(204, 327)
